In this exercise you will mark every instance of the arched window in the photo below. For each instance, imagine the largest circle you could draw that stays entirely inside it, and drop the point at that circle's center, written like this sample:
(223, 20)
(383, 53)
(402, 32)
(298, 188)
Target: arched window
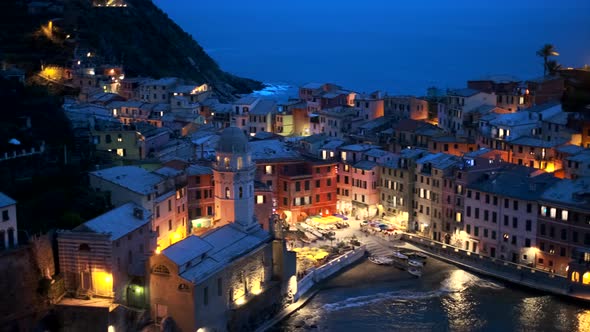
(227, 193)
(161, 269)
(576, 276)
(240, 162)
(84, 247)
(241, 192)
(226, 162)
(586, 278)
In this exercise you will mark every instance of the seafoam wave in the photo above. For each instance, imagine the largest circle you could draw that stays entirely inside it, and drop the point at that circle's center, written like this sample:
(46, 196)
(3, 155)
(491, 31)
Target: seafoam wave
(360, 301)
(457, 281)
(460, 280)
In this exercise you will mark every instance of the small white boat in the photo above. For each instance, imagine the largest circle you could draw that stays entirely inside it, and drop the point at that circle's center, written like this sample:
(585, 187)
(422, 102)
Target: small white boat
(399, 255)
(415, 263)
(415, 272)
(380, 260)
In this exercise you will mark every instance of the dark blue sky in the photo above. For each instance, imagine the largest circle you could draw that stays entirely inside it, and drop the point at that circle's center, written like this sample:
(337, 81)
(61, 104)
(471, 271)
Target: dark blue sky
(396, 46)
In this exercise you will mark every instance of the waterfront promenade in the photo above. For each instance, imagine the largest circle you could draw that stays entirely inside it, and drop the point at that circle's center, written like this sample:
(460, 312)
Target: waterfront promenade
(517, 274)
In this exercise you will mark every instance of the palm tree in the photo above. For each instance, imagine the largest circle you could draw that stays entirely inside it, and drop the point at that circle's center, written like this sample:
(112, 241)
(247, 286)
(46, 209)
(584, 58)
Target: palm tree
(545, 52)
(553, 66)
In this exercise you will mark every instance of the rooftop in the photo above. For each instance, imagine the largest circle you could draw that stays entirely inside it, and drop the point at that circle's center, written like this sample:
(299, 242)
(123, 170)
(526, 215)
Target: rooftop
(226, 244)
(583, 156)
(198, 170)
(263, 107)
(133, 178)
(315, 138)
(515, 181)
(272, 150)
(246, 100)
(570, 149)
(514, 119)
(312, 85)
(535, 142)
(186, 250)
(118, 222)
(465, 92)
(377, 153)
(168, 172)
(365, 165)
(358, 147)
(332, 144)
(570, 192)
(5, 200)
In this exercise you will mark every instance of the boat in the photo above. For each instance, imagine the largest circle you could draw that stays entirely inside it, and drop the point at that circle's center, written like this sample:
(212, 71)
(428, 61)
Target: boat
(399, 255)
(415, 271)
(381, 260)
(415, 263)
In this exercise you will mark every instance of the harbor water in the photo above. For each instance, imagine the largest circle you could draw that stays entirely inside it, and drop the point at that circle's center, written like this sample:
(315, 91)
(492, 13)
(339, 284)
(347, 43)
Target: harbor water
(371, 297)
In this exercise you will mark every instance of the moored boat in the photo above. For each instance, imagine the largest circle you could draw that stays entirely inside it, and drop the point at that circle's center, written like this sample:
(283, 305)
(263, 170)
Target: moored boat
(415, 271)
(415, 263)
(399, 255)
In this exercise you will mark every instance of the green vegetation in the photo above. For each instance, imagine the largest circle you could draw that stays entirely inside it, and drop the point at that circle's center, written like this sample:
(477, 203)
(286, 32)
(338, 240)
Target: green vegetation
(545, 52)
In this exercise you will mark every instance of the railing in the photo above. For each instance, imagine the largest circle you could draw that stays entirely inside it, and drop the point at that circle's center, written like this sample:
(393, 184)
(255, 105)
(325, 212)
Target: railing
(512, 272)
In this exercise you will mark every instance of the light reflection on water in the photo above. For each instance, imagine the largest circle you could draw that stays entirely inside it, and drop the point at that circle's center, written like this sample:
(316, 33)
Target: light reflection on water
(455, 300)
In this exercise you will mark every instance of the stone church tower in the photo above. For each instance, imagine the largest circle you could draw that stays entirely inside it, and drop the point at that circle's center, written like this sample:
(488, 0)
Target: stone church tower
(233, 173)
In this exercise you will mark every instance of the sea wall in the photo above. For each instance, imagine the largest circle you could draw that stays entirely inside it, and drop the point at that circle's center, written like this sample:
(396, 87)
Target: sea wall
(514, 273)
(327, 270)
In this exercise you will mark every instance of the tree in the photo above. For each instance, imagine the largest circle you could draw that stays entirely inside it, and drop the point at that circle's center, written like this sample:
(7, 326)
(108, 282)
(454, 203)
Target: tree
(545, 52)
(553, 66)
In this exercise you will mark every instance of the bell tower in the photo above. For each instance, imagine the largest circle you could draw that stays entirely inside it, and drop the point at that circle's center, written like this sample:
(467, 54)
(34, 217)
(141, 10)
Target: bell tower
(233, 173)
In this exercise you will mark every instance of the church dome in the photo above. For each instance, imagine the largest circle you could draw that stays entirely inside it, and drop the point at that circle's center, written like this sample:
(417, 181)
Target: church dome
(232, 140)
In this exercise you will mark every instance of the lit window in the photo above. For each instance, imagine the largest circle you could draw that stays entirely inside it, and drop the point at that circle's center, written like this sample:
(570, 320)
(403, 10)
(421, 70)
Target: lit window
(268, 169)
(343, 155)
(553, 212)
(121, 152)
(227, 192)
(544, 211)
(260, 199)
(458, 217)
(564, 215)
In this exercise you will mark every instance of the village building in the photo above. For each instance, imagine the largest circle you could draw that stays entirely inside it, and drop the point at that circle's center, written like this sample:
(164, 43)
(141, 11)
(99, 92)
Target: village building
(8, 224)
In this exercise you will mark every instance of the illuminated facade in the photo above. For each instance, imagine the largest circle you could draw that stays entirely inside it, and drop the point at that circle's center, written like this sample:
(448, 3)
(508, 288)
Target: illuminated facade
(202, 281)
(563, 231)
(106, 256)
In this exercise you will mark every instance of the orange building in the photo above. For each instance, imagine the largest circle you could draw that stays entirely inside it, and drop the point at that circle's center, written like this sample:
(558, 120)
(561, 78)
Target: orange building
(307, 188)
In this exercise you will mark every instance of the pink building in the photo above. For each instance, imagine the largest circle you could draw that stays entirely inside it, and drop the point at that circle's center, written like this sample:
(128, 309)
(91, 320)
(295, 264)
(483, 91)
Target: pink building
(501, 213)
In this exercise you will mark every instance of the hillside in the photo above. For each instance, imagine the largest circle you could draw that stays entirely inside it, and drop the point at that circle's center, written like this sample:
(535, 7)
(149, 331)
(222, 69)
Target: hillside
(140, 36)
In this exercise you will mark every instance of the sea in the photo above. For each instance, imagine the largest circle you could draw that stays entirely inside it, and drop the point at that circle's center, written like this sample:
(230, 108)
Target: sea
(399, 47)
(369, 297)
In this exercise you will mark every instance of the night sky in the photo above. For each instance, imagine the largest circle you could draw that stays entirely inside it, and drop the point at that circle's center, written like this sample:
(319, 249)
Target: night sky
(396, 46)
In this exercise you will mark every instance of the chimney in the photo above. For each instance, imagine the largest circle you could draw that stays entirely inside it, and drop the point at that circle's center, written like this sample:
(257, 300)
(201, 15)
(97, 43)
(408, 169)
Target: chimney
(138, 213)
